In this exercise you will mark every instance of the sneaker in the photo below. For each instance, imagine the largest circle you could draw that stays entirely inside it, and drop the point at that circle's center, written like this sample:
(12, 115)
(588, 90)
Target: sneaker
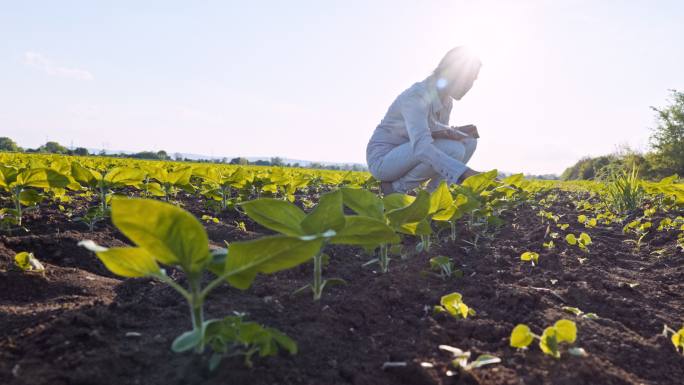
(386, 188)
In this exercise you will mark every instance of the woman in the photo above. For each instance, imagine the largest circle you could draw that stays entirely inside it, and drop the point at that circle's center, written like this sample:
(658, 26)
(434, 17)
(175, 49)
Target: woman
(414, 143)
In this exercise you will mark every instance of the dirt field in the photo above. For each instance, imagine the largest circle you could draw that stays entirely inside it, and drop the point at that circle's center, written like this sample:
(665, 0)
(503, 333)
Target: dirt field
(81, 325)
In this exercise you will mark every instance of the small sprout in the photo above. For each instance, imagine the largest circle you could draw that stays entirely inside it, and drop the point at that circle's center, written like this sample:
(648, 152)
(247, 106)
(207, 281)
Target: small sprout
(461, 358)
(530, 256)
(28, 263)
(445, 267)
(240, 225)
(562, 331)
(453, 304)
(209, 218)
(582, 241)
(563, 226)
(677, 338)
(579, 313)
(549, 245)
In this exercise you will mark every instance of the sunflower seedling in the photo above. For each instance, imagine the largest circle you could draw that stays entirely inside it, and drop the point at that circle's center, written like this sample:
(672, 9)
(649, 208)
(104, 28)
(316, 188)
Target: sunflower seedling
(530, 256)
(325, 224)
(166, 234)
(28, 263)
(444, 267)
(579, 313)
(582, 241)
(461, 358)
(453, 305)
(549, 342)
(677, 338)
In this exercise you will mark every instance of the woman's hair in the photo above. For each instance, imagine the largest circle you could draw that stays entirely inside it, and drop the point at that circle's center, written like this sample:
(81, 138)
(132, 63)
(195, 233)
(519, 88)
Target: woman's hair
(459, 60)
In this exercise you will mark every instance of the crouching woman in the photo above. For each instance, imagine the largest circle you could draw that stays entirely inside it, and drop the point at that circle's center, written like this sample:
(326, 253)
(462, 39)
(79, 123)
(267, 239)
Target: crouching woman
(414, 142)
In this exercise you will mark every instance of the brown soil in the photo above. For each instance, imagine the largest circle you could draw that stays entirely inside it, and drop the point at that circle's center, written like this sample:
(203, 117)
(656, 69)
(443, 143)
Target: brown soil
(79, 324)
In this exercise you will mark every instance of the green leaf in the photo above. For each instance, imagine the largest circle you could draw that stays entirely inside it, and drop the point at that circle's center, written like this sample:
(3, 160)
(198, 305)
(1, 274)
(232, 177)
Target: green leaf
(170, 234)
(363, 202)
(441, 203)
(572, 310)
(28, 262)
(566, 331)
(29, 197)
(413, 213)
(585, 239)
(521, 336)
(548, 342)
(582, 218)
(128, 262)
(277, 215)
(530, 256)
(187, 341)
(327, 215)
(124, 176)
(84, 175)
(479, 182)
(266, 255)
(484, 359)
(360, 230)
(283, 340)
(571, 239)
(42, 178)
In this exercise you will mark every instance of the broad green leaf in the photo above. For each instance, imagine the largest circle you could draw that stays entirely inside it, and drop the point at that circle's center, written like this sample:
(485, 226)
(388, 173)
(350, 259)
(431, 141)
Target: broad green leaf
(327, 215)
(413, 213)
(42, 178)
(360, 230)
(440, 201)
(571, 239)
(479, 183)
(566, 331)
(29, 197)
(170, 234)
(363, 202)
(396, 201)
(521, 336)
(283, 340)
(277, 215)
(266, 255)
(85, 176)
(124, 176)
(548, 342)
(187, 341)
(582, 218)
(130, 262)
(515, 180)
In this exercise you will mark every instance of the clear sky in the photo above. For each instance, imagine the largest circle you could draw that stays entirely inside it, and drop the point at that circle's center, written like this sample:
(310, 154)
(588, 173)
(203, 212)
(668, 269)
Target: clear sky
(311, 79)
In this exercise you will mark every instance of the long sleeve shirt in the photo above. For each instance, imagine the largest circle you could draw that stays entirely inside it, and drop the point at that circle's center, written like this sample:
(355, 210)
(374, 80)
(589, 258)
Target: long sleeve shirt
(411, 118)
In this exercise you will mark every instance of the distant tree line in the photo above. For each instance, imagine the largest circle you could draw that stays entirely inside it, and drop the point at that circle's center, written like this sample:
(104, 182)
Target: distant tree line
(9, 145)
(665, 158)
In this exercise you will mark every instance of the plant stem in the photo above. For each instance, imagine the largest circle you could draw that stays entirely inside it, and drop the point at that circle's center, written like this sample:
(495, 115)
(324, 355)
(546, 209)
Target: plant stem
(383, 259)
(317, 285)
(453, 230)
(17, 204)
(197, 310)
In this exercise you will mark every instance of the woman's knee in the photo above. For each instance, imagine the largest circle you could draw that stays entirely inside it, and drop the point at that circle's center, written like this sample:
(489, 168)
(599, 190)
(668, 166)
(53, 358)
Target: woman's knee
(453, 148)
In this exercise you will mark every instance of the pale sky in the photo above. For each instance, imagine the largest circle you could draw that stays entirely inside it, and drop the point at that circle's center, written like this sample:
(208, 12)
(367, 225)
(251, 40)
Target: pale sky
(311, 79)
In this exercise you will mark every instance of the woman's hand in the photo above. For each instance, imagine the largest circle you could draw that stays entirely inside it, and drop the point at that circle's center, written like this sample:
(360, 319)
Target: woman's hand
(448, 134)
(469, 129)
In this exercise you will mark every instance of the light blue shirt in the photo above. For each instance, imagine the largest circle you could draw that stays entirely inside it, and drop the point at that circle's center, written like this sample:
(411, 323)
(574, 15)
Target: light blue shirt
(411, 119)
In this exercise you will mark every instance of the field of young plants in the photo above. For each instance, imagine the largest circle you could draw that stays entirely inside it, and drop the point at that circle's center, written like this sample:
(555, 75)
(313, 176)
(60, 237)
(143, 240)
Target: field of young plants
(118, 271)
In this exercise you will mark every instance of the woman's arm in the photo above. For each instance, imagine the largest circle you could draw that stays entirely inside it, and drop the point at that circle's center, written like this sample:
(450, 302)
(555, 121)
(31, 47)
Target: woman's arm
(414, 109)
